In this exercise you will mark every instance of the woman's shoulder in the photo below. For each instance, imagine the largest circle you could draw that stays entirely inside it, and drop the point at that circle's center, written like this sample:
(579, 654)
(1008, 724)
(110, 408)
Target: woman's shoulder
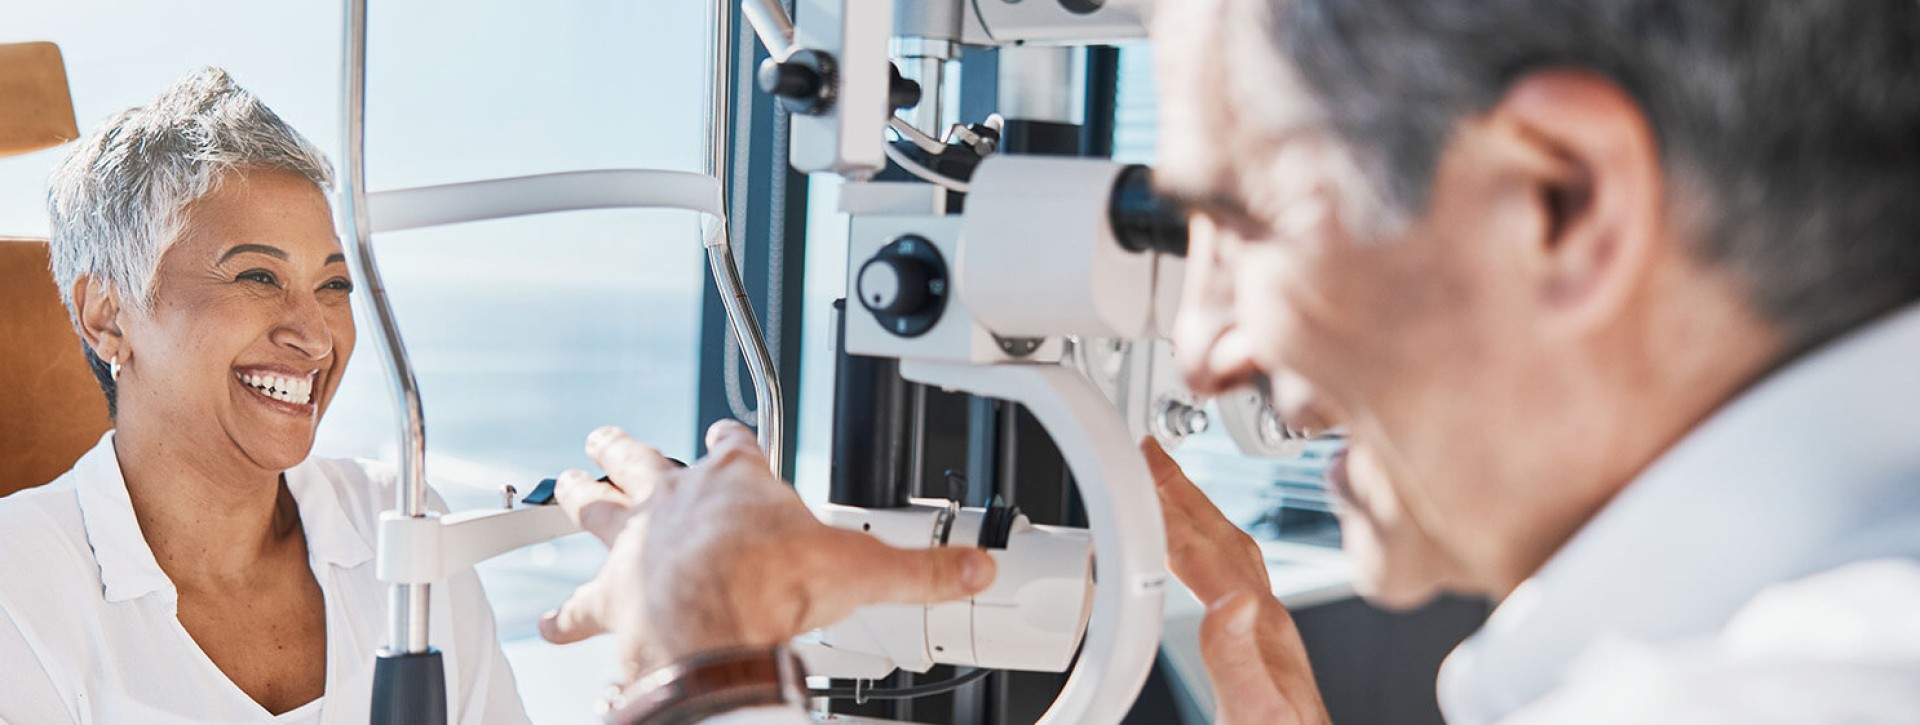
(42, 513)
(43, 539)
(40, 506)
(50, 512)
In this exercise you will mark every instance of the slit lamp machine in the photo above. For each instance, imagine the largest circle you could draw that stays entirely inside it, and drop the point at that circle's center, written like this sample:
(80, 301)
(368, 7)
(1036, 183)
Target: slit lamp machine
(931, 283)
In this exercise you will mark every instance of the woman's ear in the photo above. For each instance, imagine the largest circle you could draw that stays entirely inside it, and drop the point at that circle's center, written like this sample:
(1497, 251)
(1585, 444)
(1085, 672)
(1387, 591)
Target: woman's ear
(97, 306)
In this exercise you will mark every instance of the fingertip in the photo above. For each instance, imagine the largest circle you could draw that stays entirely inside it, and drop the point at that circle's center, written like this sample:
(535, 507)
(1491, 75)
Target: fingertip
(572, 479)
(601, 436)
(977, 570)
(1150, 446)
(726, 428)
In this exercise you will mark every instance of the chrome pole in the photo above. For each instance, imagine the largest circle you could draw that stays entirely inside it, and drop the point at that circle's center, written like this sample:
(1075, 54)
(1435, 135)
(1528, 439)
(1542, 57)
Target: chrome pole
(407, 609)
(769, 406)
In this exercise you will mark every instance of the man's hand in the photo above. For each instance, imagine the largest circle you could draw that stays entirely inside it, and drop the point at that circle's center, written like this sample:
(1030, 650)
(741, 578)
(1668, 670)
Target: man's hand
(1252, 649)
(724, 554)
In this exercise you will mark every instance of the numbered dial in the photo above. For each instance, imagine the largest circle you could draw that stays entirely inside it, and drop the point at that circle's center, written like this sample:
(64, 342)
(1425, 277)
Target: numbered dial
(905, 286)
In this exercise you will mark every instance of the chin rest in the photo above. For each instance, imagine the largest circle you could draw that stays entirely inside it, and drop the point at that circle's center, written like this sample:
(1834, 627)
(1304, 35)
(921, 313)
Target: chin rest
(51, 408)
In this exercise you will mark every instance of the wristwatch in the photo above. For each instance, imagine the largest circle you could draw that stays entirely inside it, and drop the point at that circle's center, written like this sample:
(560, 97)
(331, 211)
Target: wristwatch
(708, 684)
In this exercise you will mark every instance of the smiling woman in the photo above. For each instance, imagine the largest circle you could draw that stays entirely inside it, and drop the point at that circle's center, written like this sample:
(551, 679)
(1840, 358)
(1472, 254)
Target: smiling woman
(197, 565)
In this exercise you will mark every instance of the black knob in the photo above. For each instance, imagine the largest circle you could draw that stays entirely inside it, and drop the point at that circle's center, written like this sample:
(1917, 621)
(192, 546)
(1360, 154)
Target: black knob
(803, 82)
(901, 92)
(893, 286)
(904, 285)
(788, 80)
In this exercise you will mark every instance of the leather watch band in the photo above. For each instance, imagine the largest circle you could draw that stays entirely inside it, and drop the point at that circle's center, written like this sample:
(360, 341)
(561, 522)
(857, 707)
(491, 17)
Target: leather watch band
(708, 684)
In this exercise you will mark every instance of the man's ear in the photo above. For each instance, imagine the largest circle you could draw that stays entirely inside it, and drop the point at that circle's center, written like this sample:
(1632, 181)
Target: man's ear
(1598, 187)
(98, 308)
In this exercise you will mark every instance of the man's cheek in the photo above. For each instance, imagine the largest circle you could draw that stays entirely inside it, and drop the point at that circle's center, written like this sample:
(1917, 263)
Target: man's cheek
(1389, 572)
(1361, 544)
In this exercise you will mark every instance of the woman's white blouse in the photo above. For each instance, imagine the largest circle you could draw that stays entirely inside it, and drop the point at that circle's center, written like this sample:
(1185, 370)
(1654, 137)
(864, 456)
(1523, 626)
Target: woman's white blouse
(88, 632)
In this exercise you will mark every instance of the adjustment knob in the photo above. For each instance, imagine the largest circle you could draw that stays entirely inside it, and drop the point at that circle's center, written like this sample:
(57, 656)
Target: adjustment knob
(803, 82)
(788, 80)
(904, 285)
(893, 285)
(902, 92)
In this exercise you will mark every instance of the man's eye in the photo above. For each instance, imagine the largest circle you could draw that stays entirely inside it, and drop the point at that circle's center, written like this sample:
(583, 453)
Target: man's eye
(261, 276)
(340, 285)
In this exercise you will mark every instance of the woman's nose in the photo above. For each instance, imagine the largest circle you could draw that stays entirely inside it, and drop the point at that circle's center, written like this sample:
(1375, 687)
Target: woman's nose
(305, 328)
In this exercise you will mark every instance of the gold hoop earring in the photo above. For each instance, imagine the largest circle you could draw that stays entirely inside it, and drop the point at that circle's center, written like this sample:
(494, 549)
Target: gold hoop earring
(113, 368)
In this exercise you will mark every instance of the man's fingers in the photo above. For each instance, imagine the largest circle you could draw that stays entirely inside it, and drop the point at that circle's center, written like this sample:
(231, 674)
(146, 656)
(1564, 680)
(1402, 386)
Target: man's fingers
(1165, 471)
(728, 429)
(731, 443)
(1242, 685)
(596, 506)
(634, 467)
(578, 618)
(1205, 550)
(916, 576)
(1177, 492)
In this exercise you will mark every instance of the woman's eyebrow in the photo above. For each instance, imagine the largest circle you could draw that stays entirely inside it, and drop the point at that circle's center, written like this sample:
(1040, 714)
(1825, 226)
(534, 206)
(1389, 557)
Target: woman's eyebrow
(339, 257)
(273, 252)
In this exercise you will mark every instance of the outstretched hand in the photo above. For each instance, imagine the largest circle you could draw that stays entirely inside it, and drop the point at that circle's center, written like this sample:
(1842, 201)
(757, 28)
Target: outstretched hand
(724, 554)
(1252, 650)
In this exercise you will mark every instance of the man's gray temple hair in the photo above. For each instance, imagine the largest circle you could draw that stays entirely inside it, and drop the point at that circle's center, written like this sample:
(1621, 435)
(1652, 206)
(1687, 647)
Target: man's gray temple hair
(119, 199)
(1789, 129)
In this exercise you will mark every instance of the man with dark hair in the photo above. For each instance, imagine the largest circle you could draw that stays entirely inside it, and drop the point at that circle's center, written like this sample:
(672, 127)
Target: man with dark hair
(1616, 301)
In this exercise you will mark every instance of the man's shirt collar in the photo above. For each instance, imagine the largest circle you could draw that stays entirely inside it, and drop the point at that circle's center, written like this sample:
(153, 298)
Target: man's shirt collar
(1814, 466)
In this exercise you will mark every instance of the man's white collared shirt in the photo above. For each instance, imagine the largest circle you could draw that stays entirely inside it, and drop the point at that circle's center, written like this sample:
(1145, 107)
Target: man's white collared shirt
(88, 632)
(1764, 570)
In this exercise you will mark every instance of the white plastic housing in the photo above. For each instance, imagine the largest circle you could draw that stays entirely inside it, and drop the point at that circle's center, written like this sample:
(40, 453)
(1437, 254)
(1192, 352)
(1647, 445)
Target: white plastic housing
(957, 336)
(1031, 618)
(1038, 256)
(1048, 22)
(1130, 564)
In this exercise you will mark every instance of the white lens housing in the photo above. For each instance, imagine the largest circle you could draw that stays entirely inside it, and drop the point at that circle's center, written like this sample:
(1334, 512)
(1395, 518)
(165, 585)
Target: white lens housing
(1031, 617)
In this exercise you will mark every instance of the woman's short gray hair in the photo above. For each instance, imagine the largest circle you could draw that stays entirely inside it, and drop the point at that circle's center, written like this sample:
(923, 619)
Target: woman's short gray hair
(118, 200)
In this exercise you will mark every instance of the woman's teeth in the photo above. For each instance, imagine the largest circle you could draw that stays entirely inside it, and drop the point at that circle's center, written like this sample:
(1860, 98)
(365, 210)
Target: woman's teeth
(284, 389)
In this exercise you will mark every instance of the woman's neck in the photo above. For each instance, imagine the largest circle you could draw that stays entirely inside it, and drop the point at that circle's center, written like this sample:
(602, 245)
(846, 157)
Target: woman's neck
(210, 521)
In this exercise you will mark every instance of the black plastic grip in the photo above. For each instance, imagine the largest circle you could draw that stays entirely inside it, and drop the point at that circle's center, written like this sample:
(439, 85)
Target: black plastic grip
(409, 688)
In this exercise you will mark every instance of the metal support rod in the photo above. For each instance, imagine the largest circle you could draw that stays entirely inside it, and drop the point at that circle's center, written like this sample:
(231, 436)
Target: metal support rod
(407, 630)
(771, 23)
(924, 60)
(770, 406)
(1041, 84)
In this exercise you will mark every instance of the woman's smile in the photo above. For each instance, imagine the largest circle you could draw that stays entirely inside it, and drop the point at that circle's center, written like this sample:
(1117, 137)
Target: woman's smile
(281, 390)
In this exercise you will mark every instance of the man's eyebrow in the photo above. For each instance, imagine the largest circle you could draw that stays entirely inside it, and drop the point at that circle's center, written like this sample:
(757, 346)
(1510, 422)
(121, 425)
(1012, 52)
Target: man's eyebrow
(238, 249)
(340, 257)
(1197, 197)
(1209, 203)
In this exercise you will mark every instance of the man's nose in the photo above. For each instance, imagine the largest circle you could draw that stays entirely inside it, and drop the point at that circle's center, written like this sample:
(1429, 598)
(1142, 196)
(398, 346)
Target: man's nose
(304, 328)
(1215, 355)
